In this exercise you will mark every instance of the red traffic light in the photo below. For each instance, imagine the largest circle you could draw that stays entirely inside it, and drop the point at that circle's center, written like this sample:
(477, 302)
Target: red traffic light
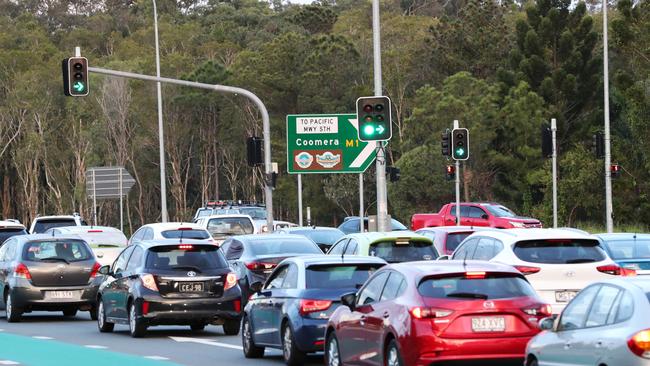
(367, 108)
(615, 170)
(450, 172)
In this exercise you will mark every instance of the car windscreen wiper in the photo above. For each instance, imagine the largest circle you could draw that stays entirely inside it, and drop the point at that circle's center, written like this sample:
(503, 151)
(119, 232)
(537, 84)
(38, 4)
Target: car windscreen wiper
(470, 295)
(59, 259)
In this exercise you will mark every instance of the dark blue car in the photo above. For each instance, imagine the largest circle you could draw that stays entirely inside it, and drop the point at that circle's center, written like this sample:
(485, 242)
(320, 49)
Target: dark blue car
(290, 311)
(628, 250)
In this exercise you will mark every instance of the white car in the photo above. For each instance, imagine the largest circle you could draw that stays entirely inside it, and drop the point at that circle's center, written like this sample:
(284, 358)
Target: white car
(170, 230)
(9, 228)
(106, 242)
(557, 262)
(41, 224)
(221, 227)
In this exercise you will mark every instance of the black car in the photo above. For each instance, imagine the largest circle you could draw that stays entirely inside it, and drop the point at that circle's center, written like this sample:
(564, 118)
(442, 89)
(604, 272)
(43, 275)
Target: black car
(169, 282)
(39, 272)
(323, 236)
(351, 225)
(304, 292)
(253, 257)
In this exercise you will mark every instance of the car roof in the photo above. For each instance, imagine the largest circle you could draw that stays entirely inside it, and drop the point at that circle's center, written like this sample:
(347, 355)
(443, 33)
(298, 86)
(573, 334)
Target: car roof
(641, 282)
(512, 235)
(162, 242)
(256, 237)
(173, 225)
(88, 228)
(56, 217)
(217, 216)
(390, 235)
(453, 229)
(623, 236)
(6, 224)
(305, 228)
(428, 268)
(32, 237)
(309, 260)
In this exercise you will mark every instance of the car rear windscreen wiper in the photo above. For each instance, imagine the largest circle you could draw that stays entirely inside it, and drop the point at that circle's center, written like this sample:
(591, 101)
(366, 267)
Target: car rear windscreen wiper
(580, 260)
(59, 259)
(470, 295)
(192, 268)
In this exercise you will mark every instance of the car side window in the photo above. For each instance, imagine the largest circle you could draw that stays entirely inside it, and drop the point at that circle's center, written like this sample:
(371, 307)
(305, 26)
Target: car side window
(497, 247)
(484, 249)
(3, 251)
(464, 211)
(625, 308)
(351, 248)
(573, 316)
(466, 250)
(394, 288)
(138, 234)
(475, 212)
(351, 225)
(11, 250)
(338, 247)
(135, 260)
(235, 250)
(291, 280)
(225, 246)
(372, 291)
(148, 235)
(276, 279)
(602, 306)
(120, 262)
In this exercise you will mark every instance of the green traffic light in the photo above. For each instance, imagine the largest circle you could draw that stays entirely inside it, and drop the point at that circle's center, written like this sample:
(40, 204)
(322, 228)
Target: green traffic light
(460, 152)
(79, 87)
(369, 130)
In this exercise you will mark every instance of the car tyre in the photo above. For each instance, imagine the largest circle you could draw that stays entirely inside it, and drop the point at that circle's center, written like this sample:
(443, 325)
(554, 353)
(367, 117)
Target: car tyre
(332, 353)
(532, 362)
(231, 327)
(392, 356)
(197, 327)
(248, 345)
(93, 313)
(290, 352)
(13, 313)
(137, 327)
(69, 312)
(103, 325)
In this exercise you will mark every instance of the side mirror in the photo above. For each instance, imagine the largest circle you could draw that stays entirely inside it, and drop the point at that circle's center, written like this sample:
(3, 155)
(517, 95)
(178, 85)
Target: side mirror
(443, 258)
(349, 300)
(547, 323)
(105, 270)
(485, 217)
(256, 287)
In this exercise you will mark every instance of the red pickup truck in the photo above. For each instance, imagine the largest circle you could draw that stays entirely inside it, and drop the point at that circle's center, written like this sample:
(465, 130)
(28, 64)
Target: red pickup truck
(474, 214)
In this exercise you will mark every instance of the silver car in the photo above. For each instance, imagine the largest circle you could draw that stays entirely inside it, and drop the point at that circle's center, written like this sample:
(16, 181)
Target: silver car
(606, 324)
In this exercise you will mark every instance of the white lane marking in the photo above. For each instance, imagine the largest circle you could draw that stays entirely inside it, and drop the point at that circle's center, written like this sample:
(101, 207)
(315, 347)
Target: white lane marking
(42, 337)
(157, 358)
(206, 342)
(95, 346)
(8, 362)
(2, 330)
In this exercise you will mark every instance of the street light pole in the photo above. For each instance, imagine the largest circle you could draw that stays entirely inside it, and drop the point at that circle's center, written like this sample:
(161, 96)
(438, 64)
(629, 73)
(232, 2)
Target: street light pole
(608, 152)
(161, 136)
(382, 199)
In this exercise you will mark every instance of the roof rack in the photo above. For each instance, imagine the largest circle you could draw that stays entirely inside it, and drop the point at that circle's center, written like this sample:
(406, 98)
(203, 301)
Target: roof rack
(231, 203)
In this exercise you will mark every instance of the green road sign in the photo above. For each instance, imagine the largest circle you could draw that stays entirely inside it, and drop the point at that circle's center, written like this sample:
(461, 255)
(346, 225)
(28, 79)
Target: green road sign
(326, 143)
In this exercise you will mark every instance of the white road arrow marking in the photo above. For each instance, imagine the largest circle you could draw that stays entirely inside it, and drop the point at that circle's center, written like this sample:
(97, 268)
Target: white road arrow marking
(366, 152)
(206, 342)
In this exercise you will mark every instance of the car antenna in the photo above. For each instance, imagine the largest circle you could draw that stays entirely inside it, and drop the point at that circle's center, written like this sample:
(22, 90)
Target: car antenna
(465, 260)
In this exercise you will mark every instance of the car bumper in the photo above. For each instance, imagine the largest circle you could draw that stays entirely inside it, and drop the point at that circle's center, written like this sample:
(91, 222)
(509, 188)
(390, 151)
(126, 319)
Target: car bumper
(157, 310)
(310, 334)
(30, 297)
(479, 350)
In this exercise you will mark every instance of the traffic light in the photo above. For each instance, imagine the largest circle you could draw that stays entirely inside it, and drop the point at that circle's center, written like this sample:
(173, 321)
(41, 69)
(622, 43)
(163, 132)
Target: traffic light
(615, 170)
(75, 76)
(460, 144)
(394, 173)
(547, 141)
(450, 172)
(254, 151)
(445, 143)
(374, 116)
(599, 145)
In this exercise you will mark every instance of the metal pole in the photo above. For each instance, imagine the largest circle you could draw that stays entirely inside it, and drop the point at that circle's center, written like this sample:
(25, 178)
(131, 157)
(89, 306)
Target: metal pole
(554, 161)
(608, 152)
(299, 199)
(121, 203)
(94, 199)
(456, 125)
(227, 90)
(308, 216)
(382, 199)
(161, 137)
(361, 210)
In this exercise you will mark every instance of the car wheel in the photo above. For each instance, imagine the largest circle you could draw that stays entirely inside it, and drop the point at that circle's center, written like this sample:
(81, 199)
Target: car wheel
(332, 354)
(70, 312)
(13, 313)
(197, 327)
(231, 327)
(102, 324)
(250, 349)
(93, 313)
(137, 328)
(290, 352)
(532, 362)
(392, 356)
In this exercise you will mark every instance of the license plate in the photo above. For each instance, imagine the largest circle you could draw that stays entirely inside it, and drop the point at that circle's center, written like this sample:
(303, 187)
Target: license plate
(565, 296)
(61, 294)
(489, 324)
(190, 287)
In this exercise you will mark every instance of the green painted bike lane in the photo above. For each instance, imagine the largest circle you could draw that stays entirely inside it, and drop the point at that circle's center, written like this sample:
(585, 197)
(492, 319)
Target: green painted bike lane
(36, 352)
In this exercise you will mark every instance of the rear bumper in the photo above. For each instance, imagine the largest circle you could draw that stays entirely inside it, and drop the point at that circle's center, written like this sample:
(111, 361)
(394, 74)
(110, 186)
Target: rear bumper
(310, 334)
(165, 311)
(34, 298)
(443, 351)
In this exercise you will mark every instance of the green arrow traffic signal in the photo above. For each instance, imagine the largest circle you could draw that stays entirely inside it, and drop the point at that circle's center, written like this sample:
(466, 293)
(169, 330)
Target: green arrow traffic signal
(373, 114)
(79, 87)
(460, 143)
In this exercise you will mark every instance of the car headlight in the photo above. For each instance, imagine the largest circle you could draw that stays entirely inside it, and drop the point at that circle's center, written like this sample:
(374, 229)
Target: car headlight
(517, 224)
(264, 228)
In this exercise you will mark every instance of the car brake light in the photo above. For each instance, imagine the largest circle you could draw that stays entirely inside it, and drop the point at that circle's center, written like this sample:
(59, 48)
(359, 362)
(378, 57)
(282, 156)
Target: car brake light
(22, 271)
(184, 228)
(149, 281)
(237, 305)
(95, 231)
(185, 246)
(93, 272)
(310, 306)
(639, 344)
(543, 310)
(260, 265)
(231, 281)
(474, 275)
(615, 270)
(527, 270)
(422, 312)
(145, 307)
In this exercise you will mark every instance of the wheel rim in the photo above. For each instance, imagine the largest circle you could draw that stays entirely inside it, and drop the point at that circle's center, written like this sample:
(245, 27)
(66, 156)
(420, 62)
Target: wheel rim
(393, 360)
(100, 314)
(132, 318)
(286, 349)
(333, 352)
(247, 334)
(8, 306)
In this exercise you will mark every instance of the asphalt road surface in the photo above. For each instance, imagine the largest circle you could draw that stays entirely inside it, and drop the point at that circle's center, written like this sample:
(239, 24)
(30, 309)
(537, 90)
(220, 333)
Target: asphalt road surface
(49, 338)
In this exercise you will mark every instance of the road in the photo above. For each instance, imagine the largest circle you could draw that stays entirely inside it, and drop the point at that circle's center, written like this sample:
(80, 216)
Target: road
(47, 338)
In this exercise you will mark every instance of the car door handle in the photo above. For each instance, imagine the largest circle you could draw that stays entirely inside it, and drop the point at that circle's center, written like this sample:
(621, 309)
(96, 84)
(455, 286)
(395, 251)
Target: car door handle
(599, 344)
(386, 314)
(567, 345)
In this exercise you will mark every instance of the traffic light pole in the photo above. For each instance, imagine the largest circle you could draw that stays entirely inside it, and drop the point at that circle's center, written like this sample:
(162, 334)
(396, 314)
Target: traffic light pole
(554, 161)
(456, 125)
(609, 219)
(268, 191)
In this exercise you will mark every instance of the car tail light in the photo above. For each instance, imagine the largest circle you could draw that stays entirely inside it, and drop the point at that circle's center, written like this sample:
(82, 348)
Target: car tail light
(254, 266)
(423, 312)
(185, 246)
(231, 281)
(93, 272)
(149, 282)
(310, 306)
(527, 270)
(639, 344)
(474, 275)
(543, 310)
(615, 270)
(22, 271)
(145, 307)
(237, 305)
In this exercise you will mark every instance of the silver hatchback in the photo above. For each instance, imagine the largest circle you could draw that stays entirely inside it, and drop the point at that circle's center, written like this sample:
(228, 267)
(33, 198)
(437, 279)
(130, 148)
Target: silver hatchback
(606, 324)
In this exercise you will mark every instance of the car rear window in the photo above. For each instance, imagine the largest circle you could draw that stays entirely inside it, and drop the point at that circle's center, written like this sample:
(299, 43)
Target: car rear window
(284, 246)
(227, 226)
(462, 286)
(559, 251)
(42, 226)
(185, 257)
(186, 234)
(629, 249)
(57, 251)
(9, 232)
(339, 276)
(320, 236)
(403, 251)
(453, 239)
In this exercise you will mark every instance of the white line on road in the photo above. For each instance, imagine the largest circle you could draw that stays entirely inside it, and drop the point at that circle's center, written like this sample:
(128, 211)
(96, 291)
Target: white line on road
(42, 337)
(95, 346)
(206, 342)
(157, 358)
(8, 362)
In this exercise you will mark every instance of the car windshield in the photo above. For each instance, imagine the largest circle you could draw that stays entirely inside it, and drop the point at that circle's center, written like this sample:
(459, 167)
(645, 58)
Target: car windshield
(56, 251)
(393, 251)
(42, 226)
(334, 276)
(629, 249)
(453, 239)
(490, 286)
(186, 234)
(320, 236)
(256, 213)
(185, 257)
(203, 212)
(500, 211)
(559, 251)
(99, 239)
(284, 245)
(8, 233)
(227, 226)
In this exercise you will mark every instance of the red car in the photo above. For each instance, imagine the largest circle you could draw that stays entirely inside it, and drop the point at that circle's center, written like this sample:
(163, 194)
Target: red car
(425, 313)
(474, 214)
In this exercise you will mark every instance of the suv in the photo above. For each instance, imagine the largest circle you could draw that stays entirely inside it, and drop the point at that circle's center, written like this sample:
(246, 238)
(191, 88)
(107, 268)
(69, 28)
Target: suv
(42, 223)
(170, 230)
(9, 228)
(223, 226)
(253, 209)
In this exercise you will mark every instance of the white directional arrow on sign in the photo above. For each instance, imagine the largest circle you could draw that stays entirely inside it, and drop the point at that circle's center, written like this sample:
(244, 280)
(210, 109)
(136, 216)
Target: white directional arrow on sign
(366, 152)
